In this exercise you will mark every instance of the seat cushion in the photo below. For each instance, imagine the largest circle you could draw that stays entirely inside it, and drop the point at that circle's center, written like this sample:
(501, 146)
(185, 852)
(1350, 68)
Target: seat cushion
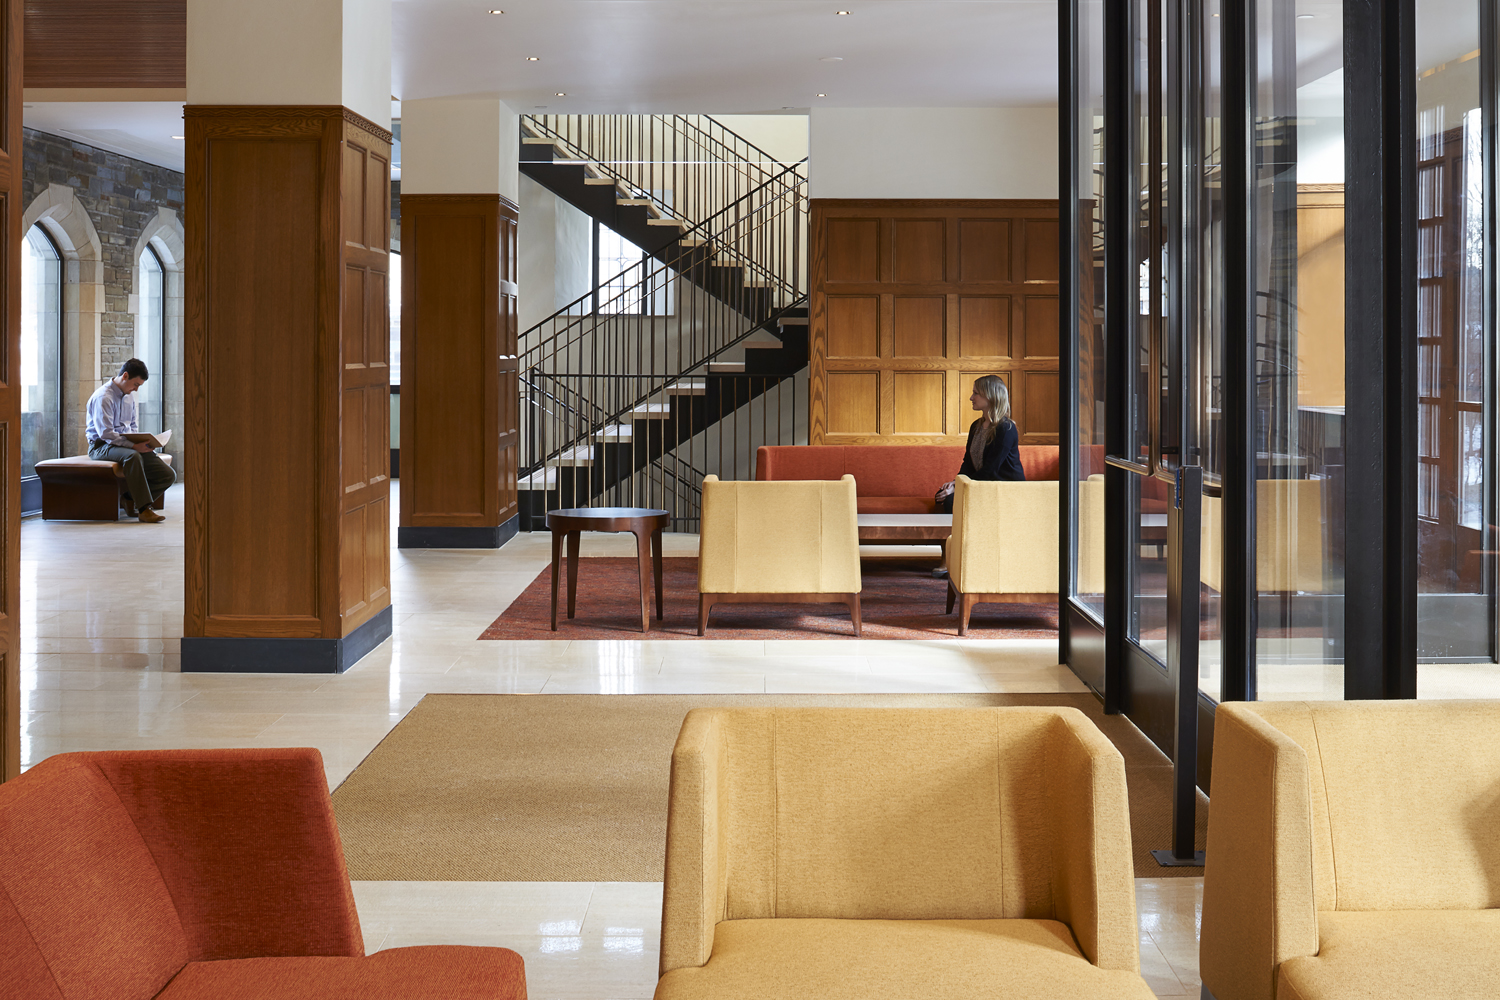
(933, 959)
(1403, 953)
(446, 972)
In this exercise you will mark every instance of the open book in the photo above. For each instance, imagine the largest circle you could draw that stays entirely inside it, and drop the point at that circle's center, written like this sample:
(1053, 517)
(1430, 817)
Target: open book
(154, 440)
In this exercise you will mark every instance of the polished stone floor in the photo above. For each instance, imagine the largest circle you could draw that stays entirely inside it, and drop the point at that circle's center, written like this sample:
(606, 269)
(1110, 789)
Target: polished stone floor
(102, 619)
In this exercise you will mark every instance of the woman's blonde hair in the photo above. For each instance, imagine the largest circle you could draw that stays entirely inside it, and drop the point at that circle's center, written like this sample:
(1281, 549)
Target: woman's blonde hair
(996, 413)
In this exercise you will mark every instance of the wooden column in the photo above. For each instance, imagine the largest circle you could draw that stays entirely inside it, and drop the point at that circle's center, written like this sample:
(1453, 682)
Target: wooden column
(288, 554)
(459, 396)
(10, 392)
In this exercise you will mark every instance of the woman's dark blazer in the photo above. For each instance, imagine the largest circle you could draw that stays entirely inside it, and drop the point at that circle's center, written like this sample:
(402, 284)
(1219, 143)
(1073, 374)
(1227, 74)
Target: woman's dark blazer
(1002, 457)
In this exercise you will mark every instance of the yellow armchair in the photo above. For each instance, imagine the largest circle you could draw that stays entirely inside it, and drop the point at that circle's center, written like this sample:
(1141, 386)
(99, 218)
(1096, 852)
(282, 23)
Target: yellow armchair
(778, 543)
(1353, 851)
(846, 854)
(1004, 546)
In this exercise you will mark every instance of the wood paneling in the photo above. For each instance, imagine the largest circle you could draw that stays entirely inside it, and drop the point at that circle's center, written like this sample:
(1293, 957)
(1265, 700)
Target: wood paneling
(854, 326)
(911, 301)
(853, 402)
(459, 392)
(106, 43)
(917, 403)
(287, 374)
(917, 326)
(10, 392)
(984, 326)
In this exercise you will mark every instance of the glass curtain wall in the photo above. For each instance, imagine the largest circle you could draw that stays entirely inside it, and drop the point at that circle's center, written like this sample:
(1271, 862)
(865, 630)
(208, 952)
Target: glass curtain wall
(1147, 496)
(41, 350)
(149, 340)
(1455, 357)
(1297, 260)
(1088, 546)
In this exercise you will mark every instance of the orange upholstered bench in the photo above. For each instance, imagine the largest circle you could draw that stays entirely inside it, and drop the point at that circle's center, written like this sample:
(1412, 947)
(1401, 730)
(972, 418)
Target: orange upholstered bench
(889, 479)
(198, 874)
(78, 488)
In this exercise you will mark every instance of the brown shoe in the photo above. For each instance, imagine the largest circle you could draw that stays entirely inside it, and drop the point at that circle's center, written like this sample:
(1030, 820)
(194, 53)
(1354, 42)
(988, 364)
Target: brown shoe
(149, 516)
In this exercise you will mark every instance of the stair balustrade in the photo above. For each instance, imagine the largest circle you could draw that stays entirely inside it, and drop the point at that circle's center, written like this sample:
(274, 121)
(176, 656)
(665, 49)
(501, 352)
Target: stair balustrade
(682, 364)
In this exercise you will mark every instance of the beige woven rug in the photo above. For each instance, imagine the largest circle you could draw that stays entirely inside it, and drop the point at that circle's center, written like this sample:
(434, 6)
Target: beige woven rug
(573, 788)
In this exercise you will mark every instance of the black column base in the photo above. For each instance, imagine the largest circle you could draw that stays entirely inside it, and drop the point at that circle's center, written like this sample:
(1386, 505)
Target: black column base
(489, 537)
(1167, 859)
(234, 655)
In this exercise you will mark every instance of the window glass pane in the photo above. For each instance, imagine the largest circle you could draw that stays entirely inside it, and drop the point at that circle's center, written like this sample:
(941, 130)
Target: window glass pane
(632, 282)
(1456, 579)
(1297, 219)
(1089, 507)
(41, 354)
(149, 342)
(394, 284)
(1204, 364)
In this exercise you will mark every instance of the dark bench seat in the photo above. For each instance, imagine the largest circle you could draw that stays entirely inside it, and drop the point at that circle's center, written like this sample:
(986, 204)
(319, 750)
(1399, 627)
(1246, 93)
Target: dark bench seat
(78, 488)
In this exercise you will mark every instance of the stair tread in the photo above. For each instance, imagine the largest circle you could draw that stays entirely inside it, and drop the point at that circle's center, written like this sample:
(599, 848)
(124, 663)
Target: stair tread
(666, 222)
(725, 367)
(652, 411)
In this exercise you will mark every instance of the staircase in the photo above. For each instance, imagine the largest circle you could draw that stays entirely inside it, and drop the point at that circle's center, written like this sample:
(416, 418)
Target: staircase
(686, 362)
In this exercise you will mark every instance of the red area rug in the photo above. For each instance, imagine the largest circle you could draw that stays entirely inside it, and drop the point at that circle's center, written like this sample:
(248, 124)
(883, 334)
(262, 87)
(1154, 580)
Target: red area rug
(900, 600)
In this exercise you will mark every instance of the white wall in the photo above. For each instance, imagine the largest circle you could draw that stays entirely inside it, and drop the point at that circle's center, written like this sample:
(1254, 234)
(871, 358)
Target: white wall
(933, 153)
(460, 145)
(555, 250)
(783, 136)
(291, 52)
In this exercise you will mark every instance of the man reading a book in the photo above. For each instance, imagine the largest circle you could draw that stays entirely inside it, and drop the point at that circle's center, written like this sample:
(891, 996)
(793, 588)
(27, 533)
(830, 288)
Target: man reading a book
(112, 416)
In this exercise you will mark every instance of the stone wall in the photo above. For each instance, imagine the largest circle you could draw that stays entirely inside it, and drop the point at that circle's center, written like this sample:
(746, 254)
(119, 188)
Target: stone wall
(122, 197)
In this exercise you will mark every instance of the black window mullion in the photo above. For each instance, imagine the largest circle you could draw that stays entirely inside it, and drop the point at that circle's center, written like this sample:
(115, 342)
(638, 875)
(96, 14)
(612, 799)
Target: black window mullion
(1380, 595)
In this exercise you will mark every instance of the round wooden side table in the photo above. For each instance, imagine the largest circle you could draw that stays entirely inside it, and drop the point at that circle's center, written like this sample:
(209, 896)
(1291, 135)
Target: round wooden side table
(645, 523)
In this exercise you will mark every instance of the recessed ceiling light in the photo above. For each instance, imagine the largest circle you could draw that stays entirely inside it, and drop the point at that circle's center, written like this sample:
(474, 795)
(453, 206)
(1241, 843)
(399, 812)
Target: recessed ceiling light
(497, 12)
(179, 137)
(1305, 17)
(822, 95)
(531, 59)
(831, 59)
(561, 94)
(841, 13)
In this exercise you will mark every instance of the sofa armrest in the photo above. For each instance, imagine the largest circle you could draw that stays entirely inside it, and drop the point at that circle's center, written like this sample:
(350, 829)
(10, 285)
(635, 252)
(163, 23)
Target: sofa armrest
(247, 845)
(1093, 874)
(694, 890)
(1258, 904)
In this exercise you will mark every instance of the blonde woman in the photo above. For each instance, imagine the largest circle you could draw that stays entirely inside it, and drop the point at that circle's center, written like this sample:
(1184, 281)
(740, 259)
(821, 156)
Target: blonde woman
(993, 452)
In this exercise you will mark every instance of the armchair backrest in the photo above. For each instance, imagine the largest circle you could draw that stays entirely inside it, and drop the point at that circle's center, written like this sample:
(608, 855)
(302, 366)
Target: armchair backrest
(1004, 537)
(898, 814)
(786, 537)
(1404, 801)
(117, 869)
(84, 910)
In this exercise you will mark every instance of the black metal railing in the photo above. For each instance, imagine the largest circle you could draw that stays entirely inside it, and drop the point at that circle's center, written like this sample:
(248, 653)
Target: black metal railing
(686, 166)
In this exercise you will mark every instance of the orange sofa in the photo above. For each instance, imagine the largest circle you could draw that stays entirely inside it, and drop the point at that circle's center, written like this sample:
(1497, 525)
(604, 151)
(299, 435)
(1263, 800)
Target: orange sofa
(889, 479)
(198, 874)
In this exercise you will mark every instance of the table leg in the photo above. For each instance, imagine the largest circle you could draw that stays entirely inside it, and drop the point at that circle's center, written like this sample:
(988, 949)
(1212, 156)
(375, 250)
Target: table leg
(572, 573)
(656, 566)
(556, 556)
(643, 552)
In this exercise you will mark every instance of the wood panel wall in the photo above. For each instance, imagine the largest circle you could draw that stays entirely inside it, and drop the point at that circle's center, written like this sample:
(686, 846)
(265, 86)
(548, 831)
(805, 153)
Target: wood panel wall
(912, 300)
(10, 392)
(459, 394)
(106, 43)
(288, 404)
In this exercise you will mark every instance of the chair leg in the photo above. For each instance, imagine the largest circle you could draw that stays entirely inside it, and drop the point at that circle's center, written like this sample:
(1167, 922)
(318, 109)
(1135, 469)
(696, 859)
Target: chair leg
(703, 605)
(951, 592)
(966, 604)
(854, 613)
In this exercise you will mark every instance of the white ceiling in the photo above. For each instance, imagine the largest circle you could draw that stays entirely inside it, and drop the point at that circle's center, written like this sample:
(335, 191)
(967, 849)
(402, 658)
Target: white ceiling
(704, 56)
(727, 56)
